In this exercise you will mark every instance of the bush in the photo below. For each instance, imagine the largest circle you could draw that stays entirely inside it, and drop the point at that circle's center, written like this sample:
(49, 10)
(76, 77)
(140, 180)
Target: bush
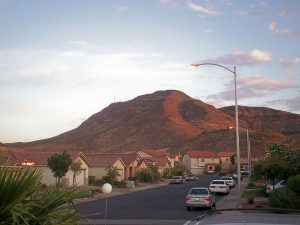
(132, 178)
(294, 184)
(144, 176)
(282, 198)
(98, 182)
(120, 184)
(251, 200)
(251, 185)
(92, 179)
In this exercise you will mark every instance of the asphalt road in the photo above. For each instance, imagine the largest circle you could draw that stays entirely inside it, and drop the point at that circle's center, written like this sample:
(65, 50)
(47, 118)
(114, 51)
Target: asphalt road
(163, 203)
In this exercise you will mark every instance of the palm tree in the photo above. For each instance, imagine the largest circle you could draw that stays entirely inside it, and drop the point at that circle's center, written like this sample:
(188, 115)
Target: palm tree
(22, 203)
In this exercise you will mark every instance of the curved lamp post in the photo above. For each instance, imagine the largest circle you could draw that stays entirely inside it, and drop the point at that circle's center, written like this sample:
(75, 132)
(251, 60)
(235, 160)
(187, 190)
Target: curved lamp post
(106, 189)
(236, 123)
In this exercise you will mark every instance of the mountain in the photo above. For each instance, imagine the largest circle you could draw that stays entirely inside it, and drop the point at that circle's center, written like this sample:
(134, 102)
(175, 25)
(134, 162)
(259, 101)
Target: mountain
(171, 119)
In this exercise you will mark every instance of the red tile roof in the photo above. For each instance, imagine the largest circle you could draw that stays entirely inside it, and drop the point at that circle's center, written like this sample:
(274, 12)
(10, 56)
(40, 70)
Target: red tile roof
(202, 154)
(156, 153)
(226, 154)
(101, 160)
(157, 161)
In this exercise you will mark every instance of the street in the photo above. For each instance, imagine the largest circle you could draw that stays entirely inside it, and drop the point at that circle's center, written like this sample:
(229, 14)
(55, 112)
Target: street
(163, 203)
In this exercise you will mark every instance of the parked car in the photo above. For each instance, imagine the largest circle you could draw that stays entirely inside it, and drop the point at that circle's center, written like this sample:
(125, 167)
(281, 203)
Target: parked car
(235, 176)
(244, 171)
(200, 197)
(191, 177)
(279, 184)
(229, 180)
(219, 186)
(176, 180)
(210, 171)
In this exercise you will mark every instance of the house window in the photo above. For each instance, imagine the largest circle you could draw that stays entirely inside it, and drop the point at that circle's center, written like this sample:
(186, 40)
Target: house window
(213, 159)
(202, 159)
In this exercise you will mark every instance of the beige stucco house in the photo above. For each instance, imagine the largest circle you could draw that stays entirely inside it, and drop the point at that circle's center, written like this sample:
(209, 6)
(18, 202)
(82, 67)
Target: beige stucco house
(100, 162)
(39, 160)
(198, 161)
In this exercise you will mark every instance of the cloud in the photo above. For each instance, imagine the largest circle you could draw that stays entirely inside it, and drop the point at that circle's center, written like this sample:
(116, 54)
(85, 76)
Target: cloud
(288, 14)
(123, 8)
(282, 32)
(209, 31)
(81, 44)
(201, 9)
(253, 14)
(253, 87)
(171, 3)
(293, 104)
(289, 63)
(291, 73)
(243, 58)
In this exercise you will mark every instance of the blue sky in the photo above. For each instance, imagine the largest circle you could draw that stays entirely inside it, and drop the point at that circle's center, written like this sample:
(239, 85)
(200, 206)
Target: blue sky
(62, 61)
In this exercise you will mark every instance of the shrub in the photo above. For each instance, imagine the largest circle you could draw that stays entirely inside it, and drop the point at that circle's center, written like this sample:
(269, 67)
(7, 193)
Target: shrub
(282, 198)
(98, 182)
(144, 176)
(132, 178)
(294, 184)
(251, 200)
(120, 184)
(92, 179)
(251, 185)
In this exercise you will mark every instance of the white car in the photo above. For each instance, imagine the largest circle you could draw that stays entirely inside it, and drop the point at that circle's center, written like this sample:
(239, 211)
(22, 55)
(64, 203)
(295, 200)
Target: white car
(229, 180)
(279, 184)
(219, 186)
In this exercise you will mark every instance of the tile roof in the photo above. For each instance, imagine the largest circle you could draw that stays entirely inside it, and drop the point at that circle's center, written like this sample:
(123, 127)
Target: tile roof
(38, 158)
(101, 160)
(226, 154)
(157, 161)
(156, 153)
(202, 154)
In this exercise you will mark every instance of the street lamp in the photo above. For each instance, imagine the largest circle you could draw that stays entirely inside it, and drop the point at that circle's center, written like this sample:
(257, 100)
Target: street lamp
(106, 189)
(236, 124)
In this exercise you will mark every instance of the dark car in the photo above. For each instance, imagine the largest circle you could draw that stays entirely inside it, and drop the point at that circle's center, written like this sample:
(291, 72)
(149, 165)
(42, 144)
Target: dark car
(191, 177)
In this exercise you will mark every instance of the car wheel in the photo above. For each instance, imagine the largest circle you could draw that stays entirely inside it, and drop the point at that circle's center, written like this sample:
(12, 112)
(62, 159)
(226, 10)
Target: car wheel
(188, 208)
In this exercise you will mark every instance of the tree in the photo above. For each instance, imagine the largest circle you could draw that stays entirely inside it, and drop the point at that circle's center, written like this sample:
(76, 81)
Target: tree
(59, 165)
(218, 169)
(292, 157)
(22, 203)
(112, 175)
(272, 168)
(76, 168)
(232, 159)
(178, 170)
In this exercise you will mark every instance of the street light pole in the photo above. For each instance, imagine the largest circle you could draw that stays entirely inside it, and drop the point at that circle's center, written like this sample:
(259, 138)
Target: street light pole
(236, 124)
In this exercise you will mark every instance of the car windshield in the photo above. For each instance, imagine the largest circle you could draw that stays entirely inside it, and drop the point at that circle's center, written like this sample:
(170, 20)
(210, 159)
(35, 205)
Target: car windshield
(176, 177)
(226, 178)
(218, 182)
(198, 191)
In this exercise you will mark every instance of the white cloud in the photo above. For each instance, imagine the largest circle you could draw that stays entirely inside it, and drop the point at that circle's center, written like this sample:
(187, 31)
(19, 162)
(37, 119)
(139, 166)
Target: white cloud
(253, 87)
(201, 9)
(286, 32)
(209, 31)
(123, 8)
(288, 62)
(240, 58)
(253, 14)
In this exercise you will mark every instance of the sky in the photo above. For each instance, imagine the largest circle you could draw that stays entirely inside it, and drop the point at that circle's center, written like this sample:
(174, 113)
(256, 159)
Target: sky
(61, 61)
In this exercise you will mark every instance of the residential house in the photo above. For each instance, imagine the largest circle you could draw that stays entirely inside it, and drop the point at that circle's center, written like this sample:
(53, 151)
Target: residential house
(225, 159)
(198, 161)
(131, 162)
(160, 153)
(39, 160)
(100, 162)
(161, 163)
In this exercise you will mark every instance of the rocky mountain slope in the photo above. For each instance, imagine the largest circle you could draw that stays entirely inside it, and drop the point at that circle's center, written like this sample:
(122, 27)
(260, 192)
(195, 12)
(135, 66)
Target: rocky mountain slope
(171, 119)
